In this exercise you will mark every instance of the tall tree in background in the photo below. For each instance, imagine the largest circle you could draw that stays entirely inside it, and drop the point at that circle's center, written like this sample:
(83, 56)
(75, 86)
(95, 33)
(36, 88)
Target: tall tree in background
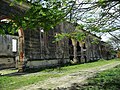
(100, 16)
(115, 42)
(38, 13)
(95, 15)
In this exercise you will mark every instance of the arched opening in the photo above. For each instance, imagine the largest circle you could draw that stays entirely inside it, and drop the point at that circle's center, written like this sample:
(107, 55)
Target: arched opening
(84, 46)
(78, 52)
(20, 35)
(85, 58)
(70, 50)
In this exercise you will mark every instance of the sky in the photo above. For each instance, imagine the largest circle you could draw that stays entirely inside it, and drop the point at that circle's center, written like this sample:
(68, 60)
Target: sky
(105, 37)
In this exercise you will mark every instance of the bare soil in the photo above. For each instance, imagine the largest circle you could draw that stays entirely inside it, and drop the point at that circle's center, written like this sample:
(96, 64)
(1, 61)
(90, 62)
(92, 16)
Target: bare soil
(66, 82)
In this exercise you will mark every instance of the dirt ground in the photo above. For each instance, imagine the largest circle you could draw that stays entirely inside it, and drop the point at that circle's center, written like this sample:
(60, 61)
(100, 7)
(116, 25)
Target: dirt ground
(66, 82)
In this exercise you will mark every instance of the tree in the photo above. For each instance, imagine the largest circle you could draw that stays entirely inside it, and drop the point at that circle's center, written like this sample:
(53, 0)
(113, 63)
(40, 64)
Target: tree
(43, 13)
(96, 15)
(115, 42)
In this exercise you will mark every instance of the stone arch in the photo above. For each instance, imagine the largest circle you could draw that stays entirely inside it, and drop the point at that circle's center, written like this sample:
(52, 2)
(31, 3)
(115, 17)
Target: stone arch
(21, 45)
(78, 52)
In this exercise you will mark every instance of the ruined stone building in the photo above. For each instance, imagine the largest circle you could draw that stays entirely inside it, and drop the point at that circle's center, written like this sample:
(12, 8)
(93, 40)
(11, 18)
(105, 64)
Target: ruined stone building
(36, 48)
(8, 51)
(40, 51)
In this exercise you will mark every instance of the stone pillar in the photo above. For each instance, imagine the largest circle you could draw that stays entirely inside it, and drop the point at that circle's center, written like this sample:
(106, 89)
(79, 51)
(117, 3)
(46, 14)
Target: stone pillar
(87, 52)
(74, 43)
(100, 50)
(21, 50)
(82, 52)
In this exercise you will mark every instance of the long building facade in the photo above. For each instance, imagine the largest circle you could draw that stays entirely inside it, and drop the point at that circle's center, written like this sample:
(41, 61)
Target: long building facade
(40, 50)
(36, 49)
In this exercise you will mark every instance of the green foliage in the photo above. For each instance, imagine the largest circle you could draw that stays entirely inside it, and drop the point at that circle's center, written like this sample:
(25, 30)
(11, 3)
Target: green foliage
(77, 35)
(45, 17)
(91, 20)
(80, 36)
(93, 28)
(45, 14)
(80, 27)
(8, 27)
(95, 41)
(59, 37)
(99, 15)
(102, 3)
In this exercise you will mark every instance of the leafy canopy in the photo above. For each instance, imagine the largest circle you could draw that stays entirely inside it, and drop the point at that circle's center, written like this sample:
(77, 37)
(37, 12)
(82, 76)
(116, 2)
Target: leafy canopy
(38, 13)
(97, 16)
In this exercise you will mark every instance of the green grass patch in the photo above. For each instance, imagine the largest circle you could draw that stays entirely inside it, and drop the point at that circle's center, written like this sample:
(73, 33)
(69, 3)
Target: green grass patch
(14, 82)
(96, 64)
(106, 80)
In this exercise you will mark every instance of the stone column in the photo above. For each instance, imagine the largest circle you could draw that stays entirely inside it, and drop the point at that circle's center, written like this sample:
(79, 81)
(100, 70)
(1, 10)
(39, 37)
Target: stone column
(87, 52)
(21, 50)
(74, 43)
(82, 52)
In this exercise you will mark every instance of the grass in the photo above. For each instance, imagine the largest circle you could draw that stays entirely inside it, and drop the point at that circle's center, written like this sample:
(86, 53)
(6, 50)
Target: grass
(96, 64)
(14, 82)
(106, 80)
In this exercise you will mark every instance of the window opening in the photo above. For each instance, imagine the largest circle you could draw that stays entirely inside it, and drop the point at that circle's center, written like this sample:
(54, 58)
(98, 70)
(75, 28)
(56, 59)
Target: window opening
(14, 45)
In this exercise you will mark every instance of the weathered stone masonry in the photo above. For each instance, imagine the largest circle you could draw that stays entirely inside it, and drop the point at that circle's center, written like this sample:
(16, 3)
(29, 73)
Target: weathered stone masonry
(7, 55)
(39, 46)
(36, 48)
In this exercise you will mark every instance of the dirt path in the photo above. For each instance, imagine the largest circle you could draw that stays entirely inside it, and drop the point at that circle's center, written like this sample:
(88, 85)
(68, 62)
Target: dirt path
(68, 80)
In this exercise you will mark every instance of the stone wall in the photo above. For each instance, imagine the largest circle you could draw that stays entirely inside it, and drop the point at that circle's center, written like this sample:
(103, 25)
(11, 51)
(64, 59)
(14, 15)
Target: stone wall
(39, 46)
(7, 62)
(40, 51)
(45, 63)
(7, 55)
(6, 10)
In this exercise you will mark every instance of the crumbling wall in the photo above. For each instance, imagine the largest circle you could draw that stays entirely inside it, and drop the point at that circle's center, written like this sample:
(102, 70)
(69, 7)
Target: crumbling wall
(7, 55)
(40, 48)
